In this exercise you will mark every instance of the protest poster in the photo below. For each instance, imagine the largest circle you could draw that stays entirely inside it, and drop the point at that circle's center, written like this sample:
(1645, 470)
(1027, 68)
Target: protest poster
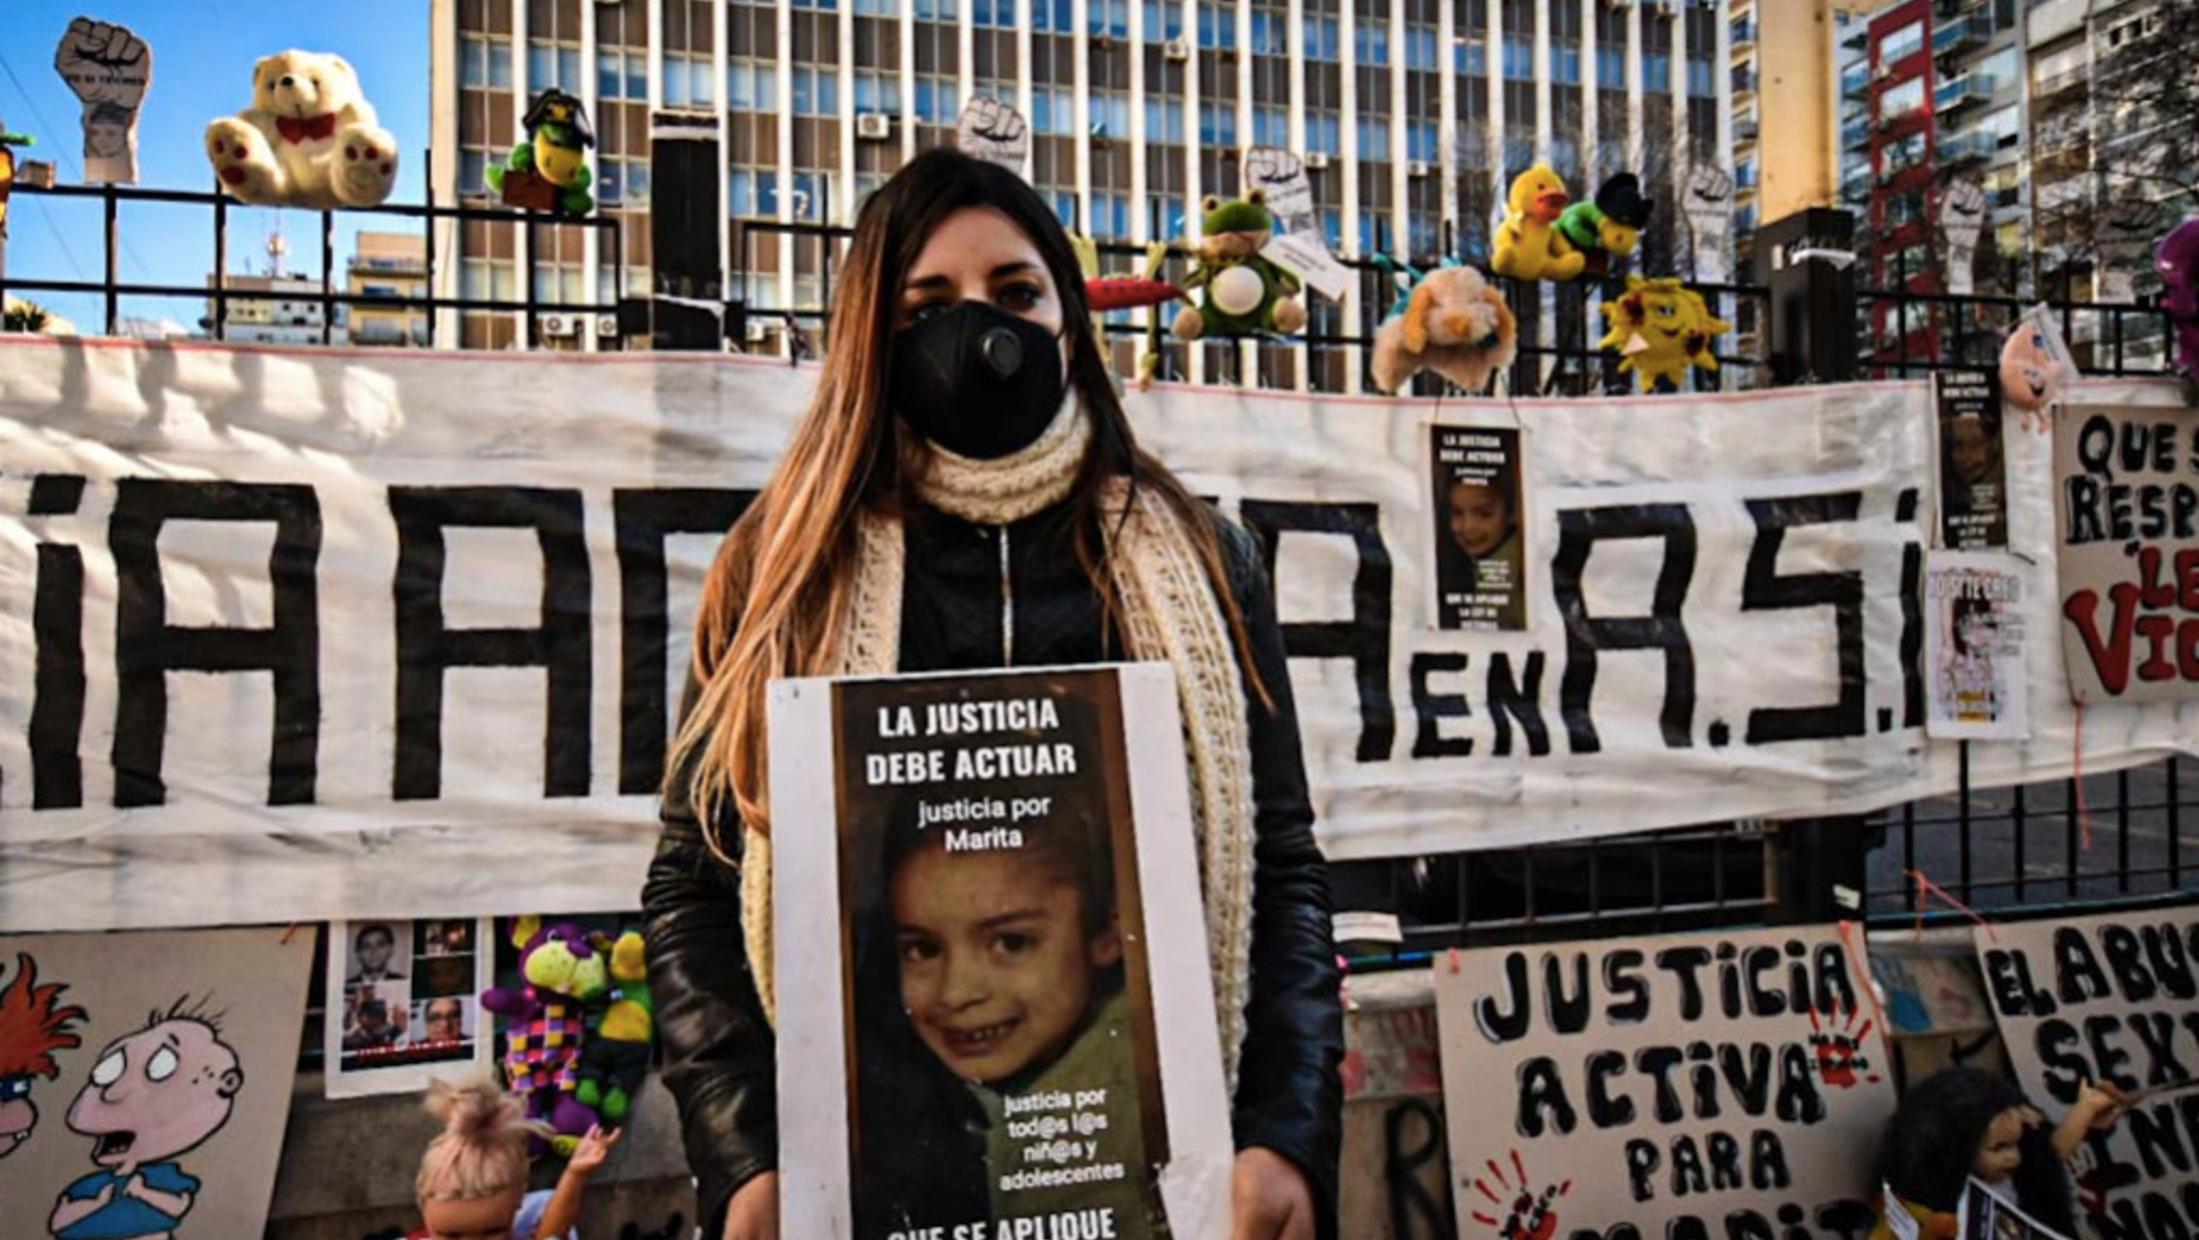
(997, 872)
(993, 130)
(147, 1079)
(2126, 507)
(2112, 999)
(403, 1004)
(1973, 468)
(1985, 1215)
(1479, 534)
(1685, 1085)
(108, 68)
(1979, 685)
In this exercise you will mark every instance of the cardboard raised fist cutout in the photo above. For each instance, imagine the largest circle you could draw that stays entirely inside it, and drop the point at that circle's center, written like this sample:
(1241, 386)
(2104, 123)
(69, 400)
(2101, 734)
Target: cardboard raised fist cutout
(992, 130)
(110, 69)
(1961, 222)
(310, 138)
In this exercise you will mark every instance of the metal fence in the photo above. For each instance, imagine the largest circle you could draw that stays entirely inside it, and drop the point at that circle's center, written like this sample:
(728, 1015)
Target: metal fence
(219, 294)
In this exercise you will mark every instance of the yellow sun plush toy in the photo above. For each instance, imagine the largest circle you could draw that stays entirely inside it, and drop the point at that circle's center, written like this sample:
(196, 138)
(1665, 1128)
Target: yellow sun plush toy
(1660, 328)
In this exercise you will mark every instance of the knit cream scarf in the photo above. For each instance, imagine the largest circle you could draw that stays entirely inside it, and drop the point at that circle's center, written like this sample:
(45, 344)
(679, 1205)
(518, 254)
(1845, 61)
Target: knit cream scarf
(1169, 614)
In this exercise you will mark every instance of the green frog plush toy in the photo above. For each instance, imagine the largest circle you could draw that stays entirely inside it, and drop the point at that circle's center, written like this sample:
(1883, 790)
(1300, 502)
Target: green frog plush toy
(1241, 293)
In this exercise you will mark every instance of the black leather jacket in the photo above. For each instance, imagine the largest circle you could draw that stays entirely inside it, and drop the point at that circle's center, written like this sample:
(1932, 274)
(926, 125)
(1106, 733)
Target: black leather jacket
(717, 1047)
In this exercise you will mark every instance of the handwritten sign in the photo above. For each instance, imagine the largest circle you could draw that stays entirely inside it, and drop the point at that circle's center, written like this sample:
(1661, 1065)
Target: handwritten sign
(2115, 999)
(2126, 504)
(1681, 1086)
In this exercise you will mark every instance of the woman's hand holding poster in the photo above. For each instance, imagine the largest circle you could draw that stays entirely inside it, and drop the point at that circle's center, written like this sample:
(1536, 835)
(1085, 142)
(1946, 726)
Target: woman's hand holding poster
(997, 871)
(1687, 1086)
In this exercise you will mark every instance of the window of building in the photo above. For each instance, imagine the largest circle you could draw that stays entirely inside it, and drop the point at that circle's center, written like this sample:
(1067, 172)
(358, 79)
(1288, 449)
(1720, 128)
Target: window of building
(1164, 119)
(1322, 39)
(1901, 100)
(1565, 63)
(1610, 67)
(877, 91)
(485, 64)
(558, 282)
(998, 14)
(1657, 73)
(935, 100)
(1163, 20)
(751, 86)
(1110, 114)
(1166, 210)
(937, 11)
(1420, 140)
(1052, 17)
(553, 66)
(622, 180)
(1420, 48)
(877, 8)
(816, 91)
(1371, 44)
(1519, 60)
(1052, 111)
(622, 75)
(473, 170)
(1900, 45)
(1109, 18)
(1324, 132)
(753, 193)
(1700, 82)
(1218, 125)
(1270, 125)
(688, 82)
(1217, 25)
(826, 6)
(1469, 57)
(1374, 137)
(2005, 125)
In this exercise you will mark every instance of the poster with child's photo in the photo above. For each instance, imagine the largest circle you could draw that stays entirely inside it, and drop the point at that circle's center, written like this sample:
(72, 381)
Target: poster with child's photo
(1973, 471)
(1023, 1039)
(1977, 685)
(1479, 531)
(402, 1004)
(1985, 1213)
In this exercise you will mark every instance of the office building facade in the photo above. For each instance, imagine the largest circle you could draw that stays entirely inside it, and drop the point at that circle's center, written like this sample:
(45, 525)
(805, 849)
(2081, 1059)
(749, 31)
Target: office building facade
(1412, 115)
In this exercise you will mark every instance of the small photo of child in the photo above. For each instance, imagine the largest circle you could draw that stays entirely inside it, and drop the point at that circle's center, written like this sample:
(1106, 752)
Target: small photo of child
(1480, 562)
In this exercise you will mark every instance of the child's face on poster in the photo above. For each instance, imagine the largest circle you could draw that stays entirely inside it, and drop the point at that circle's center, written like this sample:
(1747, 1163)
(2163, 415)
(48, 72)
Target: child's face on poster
(1479, 517)
(1970, 448)
(996, 964)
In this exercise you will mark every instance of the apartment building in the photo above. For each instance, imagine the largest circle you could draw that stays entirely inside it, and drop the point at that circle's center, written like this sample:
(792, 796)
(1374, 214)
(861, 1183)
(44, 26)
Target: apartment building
(388, 265)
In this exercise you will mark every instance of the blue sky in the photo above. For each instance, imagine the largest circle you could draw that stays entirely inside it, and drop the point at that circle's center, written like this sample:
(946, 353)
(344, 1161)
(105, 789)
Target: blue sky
(203, 54)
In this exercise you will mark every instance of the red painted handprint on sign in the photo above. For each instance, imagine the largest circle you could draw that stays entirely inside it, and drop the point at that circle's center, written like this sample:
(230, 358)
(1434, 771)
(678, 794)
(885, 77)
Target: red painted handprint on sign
(1531, 1214)
(1840, 1058)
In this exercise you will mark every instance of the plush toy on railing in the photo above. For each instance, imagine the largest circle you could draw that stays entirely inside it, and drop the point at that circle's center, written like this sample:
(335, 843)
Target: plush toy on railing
(616, 1058)
(1660, 328)
(546, 1023)
(1528, 243)
(310, 138)
(8, 143)
(2177, 259)
(1450, 322)
(549, 171)
(1609, 226)
(2034, 366)
(1103, 293)
(1241, 293)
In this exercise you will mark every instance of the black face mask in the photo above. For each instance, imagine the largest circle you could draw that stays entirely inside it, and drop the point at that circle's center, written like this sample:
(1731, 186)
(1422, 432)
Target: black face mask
(977, 380)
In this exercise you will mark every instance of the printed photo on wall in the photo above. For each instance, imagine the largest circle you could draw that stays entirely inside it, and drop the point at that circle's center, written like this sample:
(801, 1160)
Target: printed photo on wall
(1479, 532)
(1003, 894)
(1977, 685)
(402, 1006)
(1973, 472)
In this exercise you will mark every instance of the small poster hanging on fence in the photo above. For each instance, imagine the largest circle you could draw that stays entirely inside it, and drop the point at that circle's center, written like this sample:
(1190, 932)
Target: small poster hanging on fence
(1480, 529)
(2110, 1000)
(1973, 469)
(402, 1003)
(2126, 507)
(1690, 1085)
(1978, 686)
(991, 129)
(987, 864)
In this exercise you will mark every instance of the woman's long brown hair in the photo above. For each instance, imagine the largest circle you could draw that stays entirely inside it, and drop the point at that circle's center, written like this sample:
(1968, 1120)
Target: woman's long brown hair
(776, 596)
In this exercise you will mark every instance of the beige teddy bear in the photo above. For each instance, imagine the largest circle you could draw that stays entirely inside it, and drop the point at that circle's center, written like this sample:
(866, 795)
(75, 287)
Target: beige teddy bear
(309, 139)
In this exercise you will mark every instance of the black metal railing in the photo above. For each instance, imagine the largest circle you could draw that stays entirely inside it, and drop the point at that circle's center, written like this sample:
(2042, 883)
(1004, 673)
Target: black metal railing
(111, 288)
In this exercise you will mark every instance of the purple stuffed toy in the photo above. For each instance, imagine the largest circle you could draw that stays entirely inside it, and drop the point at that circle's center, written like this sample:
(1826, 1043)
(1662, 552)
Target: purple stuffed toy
(2177, 259)
(545, 1023)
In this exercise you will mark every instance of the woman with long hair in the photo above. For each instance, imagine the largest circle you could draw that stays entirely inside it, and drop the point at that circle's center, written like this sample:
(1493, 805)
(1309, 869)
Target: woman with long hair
(965, 492)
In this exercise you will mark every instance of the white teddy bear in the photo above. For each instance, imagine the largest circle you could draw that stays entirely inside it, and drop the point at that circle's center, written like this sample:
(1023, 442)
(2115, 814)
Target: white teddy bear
(308, 140)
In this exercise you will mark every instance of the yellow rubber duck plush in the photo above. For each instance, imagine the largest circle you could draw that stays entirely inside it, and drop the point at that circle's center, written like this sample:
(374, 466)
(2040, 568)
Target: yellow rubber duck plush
(1660, 328)
(1529, 245)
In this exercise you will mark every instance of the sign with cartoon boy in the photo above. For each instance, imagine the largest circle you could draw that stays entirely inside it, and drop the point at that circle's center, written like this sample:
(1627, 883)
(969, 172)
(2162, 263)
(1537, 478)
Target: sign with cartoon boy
(1691, 1085)
(998, 869)
(165, 1062)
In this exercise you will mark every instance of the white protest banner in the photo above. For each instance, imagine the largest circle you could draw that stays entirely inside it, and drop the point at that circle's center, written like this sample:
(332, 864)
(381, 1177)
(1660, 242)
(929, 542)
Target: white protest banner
(1961, 220)
(2126, 504)
(991, 129)
(1707, 202)
(1978, 686)
(337, 633)
(159, 1070)
(1687, 1085)
(1069, 1086)
(109, 69)
(2111, 999)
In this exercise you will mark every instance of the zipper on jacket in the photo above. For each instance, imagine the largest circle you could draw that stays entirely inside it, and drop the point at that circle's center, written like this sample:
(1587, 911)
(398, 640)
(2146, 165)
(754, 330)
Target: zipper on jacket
(1007, 606)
